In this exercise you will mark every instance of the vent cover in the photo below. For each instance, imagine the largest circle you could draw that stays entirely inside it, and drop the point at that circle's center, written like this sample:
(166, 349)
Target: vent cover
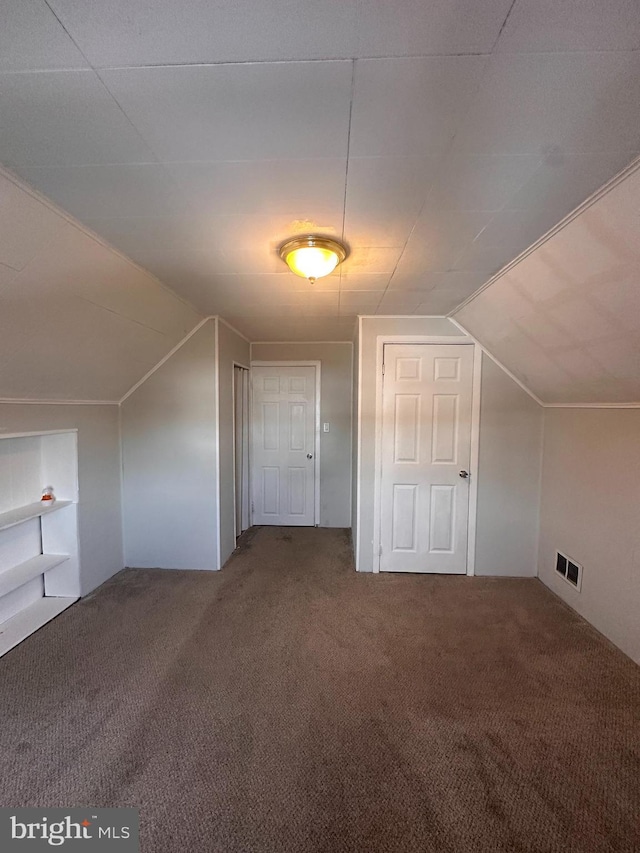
(569, 569)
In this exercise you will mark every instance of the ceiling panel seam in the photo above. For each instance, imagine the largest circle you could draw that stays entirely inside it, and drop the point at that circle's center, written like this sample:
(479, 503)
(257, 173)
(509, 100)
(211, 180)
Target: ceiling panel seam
(346, 170)
(137, 130)
(504, 24)
(447, 154)
(57, 17)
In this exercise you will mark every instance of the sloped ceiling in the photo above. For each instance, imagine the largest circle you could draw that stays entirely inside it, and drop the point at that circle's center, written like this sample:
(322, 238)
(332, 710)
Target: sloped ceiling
(78, 321)
(439, 138)
(566, 318)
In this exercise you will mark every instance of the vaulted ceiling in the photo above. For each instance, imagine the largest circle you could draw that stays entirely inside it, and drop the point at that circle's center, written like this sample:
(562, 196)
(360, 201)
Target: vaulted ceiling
(566, 317)
(78, 321)
(439, 139)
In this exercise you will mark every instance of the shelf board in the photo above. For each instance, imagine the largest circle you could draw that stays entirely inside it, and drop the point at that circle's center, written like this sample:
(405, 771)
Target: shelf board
(14, 577)
(20, 626)
(25, 513)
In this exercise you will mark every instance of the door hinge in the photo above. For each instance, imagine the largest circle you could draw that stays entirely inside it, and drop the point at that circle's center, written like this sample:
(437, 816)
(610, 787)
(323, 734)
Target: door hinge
(253, 508)
(383, 368)
(380, 551)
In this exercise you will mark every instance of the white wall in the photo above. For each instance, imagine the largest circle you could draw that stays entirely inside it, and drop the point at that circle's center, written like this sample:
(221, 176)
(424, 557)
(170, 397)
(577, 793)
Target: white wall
(99, 509)
(335, 446)
(232, 349)
(509, 465)
(590, 510)
(169, 451)
(509, 462)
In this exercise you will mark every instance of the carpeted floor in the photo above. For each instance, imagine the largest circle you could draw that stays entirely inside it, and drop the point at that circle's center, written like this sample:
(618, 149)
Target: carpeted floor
(290, 704)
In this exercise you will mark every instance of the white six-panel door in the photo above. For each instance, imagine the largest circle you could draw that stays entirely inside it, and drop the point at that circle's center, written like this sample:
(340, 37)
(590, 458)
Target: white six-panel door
(426, 445)
(283, 444)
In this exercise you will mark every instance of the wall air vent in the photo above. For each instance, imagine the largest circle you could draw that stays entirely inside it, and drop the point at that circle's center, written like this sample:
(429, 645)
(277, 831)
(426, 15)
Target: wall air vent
(569, 569)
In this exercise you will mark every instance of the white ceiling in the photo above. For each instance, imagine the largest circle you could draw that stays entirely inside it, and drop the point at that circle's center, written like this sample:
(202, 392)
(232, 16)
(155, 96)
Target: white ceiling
(438, 139)
(77, 320)
(566, 318)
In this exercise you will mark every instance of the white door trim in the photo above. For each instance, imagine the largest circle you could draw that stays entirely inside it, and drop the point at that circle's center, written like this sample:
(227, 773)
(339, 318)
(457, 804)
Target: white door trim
(381, 340)
(216, 391)
(316, 460)
(235, 364)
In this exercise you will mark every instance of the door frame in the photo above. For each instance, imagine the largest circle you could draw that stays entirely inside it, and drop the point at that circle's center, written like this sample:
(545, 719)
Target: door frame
(316, 455)
(235, 364)
(455, 340)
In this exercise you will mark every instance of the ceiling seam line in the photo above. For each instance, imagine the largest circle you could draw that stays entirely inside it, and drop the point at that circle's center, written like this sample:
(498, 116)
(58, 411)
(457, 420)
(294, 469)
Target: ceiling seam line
(127, 118)
(346, 169)
(504, 24)
(118, 314)
(75, 43)
(445, 156)
(382, 58)
(236, 62)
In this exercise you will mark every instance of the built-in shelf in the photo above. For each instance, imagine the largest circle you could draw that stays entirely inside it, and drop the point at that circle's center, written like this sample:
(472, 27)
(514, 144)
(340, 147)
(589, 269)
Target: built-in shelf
(28, 620)
(39, 548)
(25, 513)
(14, 577)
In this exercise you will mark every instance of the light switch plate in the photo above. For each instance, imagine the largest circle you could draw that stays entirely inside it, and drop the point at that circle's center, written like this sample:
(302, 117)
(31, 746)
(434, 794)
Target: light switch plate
(325, 427)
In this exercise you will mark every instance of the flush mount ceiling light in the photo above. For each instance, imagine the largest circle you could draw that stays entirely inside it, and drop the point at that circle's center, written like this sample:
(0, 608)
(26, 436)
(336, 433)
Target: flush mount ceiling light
(312, 256)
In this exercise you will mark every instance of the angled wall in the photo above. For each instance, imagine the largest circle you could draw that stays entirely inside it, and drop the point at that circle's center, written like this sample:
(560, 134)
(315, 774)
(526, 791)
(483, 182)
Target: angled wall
(565, 318)
(169, 457)
(79, 321)
(509, 462)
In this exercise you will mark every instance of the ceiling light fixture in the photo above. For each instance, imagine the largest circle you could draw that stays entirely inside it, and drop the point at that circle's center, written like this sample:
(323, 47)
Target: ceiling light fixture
(312, 256)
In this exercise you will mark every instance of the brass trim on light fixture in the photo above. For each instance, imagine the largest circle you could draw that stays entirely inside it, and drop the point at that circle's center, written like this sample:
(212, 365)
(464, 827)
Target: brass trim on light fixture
(313, 241)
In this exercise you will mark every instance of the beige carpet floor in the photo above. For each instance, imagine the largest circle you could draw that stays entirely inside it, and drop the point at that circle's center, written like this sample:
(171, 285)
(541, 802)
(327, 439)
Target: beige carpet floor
(290, 705)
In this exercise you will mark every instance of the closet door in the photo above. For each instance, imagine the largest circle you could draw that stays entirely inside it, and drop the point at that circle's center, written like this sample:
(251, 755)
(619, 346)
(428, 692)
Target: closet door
(426, 450)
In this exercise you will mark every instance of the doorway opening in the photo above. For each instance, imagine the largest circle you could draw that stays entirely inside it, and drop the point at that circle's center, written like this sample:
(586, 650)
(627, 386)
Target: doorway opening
(285, 443)
(241, 449)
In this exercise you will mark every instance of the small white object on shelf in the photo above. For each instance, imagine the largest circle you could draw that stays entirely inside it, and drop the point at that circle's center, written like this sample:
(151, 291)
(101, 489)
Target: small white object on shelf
(48, 497)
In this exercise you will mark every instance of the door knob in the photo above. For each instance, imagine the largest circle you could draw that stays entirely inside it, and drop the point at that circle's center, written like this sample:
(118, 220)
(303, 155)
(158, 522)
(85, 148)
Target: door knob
(464, 474)
(309, 455)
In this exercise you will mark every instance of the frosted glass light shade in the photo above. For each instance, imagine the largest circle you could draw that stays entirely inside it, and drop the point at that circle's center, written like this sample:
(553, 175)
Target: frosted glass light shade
(312, 257)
